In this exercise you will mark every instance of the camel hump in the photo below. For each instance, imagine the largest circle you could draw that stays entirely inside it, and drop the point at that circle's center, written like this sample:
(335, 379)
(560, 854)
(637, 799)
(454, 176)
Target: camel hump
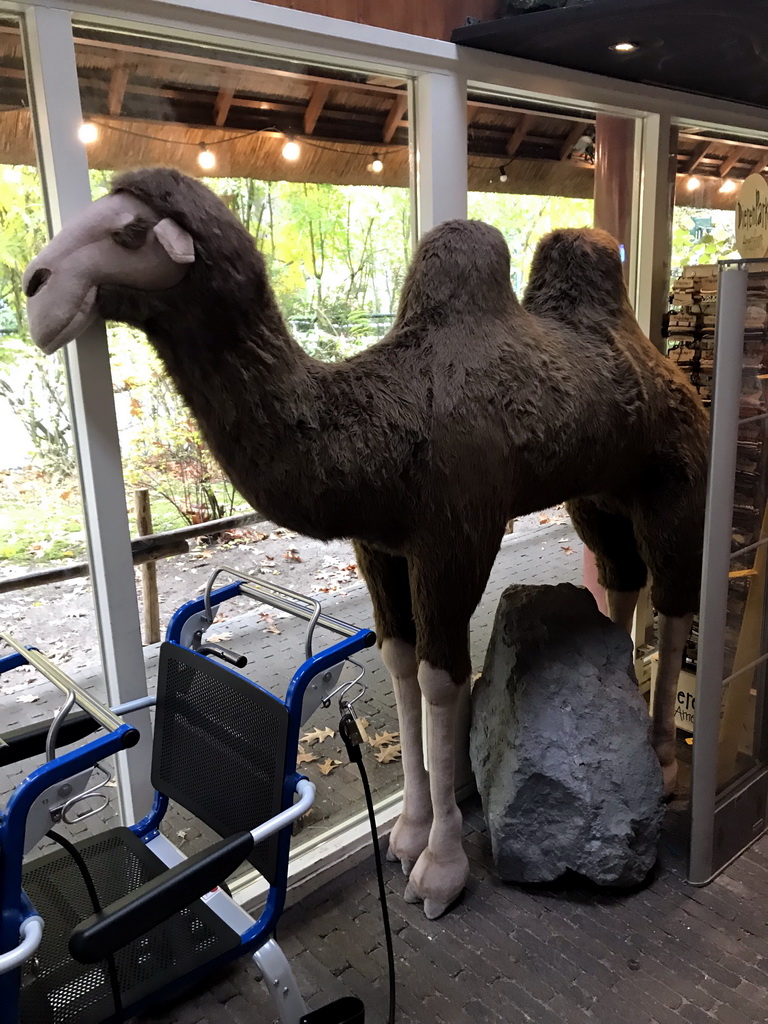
(574, 269)
(461, 266)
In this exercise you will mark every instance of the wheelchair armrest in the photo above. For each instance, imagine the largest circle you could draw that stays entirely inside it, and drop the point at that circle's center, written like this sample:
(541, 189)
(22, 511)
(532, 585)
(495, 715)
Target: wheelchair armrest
(154, 902)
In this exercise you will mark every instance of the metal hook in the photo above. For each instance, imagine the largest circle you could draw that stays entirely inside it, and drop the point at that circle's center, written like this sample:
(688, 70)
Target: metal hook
(93, 791)
(344, 687)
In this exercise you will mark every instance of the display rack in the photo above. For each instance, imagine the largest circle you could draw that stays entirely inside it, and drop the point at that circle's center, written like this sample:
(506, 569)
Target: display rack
(691, 342)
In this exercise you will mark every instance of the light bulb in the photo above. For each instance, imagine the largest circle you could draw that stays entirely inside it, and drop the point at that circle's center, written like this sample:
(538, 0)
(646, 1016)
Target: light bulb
(692, 184)
(729, 185)
(624, 47)
(502, 174)
(206, 158)
(377, 166)
(88, 132)
(291, 150)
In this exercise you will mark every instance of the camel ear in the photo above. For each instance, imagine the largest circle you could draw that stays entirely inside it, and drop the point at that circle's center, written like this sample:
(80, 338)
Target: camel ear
(175, 240)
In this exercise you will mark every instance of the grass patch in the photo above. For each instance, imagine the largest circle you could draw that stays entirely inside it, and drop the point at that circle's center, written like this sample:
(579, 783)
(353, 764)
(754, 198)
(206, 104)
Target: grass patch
(41, 525)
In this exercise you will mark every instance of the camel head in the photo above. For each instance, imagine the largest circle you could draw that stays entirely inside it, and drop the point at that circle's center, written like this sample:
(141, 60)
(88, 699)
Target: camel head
(141, 250)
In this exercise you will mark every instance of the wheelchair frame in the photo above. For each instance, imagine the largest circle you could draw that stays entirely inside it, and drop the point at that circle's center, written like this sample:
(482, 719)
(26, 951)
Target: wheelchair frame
(314, 683)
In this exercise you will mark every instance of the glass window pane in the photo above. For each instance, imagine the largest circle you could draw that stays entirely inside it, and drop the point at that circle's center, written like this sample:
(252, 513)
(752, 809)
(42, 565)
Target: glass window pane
(42, 534)
(530, 171)
(315, 163)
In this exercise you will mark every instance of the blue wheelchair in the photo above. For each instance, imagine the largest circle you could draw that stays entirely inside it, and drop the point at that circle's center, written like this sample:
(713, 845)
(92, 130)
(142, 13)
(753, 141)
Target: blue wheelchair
(105, 927)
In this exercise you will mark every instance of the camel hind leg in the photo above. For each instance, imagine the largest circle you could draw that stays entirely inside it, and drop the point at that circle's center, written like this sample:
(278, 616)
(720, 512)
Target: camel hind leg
(621, 570)
(669, 530)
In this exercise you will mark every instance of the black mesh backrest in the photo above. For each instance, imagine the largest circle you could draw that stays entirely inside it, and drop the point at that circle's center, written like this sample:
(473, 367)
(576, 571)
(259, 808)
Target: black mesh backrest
(219, 747)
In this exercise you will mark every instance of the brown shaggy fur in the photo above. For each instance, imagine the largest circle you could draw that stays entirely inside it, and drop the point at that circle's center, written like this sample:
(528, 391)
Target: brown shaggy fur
(473, 410)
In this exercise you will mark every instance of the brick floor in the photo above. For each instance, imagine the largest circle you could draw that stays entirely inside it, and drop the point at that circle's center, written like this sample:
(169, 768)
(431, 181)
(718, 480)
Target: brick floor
(556, 954)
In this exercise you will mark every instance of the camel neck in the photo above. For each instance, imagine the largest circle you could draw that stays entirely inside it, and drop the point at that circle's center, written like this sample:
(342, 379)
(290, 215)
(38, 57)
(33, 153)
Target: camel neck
(242, 375)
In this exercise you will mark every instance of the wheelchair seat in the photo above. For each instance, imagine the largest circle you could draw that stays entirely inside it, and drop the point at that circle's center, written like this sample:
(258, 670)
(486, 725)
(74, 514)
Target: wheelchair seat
(78, 993)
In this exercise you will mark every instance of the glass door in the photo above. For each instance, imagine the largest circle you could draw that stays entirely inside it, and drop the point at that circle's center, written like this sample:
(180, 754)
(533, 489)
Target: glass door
(730, 752)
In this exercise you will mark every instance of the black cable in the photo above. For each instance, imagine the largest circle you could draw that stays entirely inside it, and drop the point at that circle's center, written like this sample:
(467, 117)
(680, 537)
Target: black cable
(352, 739)
(82, 867)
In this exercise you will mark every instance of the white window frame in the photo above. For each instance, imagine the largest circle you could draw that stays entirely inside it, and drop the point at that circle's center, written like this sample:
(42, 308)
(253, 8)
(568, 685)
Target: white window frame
(439, 72)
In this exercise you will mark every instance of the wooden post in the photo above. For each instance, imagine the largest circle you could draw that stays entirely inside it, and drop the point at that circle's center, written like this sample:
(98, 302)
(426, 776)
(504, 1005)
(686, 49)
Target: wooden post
(149, 596)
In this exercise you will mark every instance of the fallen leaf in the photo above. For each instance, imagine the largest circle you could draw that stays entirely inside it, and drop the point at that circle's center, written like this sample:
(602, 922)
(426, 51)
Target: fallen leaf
(269, 622)
(218, 637)
(544, 520)
(305, 758)
(381, 739)
(568, 551)
(317, 736)
(362, 725)
(328, 765)
(292, 555)
(27, 698)
(388, 754)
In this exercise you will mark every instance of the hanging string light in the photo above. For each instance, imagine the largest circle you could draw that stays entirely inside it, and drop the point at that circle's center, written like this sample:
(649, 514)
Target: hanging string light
(377, 165)
(693, 183)
(729, 185)
(291, 150)
(206, 158)
(88, 132)
(503, 173)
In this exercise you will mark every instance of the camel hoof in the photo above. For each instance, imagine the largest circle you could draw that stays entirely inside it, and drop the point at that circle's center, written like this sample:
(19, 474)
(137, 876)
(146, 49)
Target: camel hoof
(411, 896)
(407, 842)
(434, 908)
(437, 884)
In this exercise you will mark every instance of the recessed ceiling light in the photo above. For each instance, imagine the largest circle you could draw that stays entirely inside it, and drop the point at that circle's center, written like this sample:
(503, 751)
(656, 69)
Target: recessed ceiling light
(624, 47)
(693, 183)
(729, 185)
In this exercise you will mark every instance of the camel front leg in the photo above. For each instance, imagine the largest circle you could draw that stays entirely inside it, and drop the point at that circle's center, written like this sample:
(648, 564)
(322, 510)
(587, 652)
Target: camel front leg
(409, 837)
(442, 870)
(673, 634)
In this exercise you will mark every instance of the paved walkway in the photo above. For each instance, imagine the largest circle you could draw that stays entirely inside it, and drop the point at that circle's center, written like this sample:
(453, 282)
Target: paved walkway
(567, 954)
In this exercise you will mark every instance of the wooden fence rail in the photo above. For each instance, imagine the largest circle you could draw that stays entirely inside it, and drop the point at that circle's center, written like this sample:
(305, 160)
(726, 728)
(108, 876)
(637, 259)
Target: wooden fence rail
(145, 549)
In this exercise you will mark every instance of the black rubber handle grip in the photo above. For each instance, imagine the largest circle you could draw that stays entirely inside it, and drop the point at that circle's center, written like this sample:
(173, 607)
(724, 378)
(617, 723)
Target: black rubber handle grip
(154, 902)
(29, 740)
(231, 657)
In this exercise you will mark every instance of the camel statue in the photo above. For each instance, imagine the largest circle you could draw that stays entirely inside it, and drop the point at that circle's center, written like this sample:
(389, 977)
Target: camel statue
(472, 410)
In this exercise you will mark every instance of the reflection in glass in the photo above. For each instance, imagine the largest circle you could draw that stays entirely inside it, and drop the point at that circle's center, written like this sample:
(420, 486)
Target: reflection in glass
(41, 515)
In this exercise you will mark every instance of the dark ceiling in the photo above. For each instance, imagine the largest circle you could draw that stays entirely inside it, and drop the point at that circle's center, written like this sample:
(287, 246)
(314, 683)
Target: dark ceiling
(713, 48)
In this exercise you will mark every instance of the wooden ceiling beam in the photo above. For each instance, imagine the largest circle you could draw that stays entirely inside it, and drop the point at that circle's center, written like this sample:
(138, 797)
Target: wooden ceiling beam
(117, 86)
(394, 117)
(222, 105)
(700, 150)
(517, 136)
(158, 55)
(736, 154)
(315, 105)
(571, 139)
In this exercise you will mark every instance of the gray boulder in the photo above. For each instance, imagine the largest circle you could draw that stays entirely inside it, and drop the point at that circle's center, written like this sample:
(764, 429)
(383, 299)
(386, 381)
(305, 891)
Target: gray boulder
(559, 743)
